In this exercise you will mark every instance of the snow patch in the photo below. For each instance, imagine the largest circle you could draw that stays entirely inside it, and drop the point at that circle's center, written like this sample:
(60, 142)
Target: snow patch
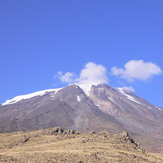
(159, 108)
(98, 105)
(128, 96)
(22, 97)
(86, 88)
(78, 98)
(149, 107)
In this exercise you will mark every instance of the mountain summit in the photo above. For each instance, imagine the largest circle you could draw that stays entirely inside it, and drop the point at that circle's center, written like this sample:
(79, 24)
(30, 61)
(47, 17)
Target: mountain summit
(84, 108)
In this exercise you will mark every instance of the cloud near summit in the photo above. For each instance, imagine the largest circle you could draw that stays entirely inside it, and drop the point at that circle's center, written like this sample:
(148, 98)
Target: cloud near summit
(91, 74)
(137, 69)
(96, 73)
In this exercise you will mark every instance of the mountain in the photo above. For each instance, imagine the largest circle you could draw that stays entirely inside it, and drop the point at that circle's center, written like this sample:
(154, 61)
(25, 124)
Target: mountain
(84, 108)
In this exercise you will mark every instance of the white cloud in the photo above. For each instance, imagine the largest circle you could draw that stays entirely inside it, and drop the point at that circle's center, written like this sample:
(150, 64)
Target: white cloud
(137, 69)
(91, 74)
(68, 77)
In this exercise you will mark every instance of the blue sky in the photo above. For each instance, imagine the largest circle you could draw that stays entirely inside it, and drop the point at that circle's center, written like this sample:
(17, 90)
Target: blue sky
(38, 38)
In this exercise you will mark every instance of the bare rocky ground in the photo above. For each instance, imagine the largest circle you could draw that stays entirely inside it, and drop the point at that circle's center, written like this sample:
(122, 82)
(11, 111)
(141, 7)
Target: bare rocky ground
(56, 145)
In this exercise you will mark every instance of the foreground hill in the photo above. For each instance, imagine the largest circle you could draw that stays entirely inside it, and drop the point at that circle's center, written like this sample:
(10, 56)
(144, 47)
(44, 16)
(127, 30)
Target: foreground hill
(56, 145)
(85, 108)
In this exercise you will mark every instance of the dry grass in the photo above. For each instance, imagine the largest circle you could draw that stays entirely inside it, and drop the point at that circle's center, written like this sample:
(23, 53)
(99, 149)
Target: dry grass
(44, 146)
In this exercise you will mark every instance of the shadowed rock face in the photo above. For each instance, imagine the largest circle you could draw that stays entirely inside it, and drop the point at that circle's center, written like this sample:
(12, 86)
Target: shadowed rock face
(106, 108)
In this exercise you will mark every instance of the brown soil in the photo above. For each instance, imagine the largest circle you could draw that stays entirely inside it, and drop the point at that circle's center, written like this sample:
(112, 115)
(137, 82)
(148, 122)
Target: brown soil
(68, 146)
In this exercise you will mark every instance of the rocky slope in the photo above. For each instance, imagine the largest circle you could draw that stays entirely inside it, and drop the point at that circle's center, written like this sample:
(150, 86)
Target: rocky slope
(58, 145)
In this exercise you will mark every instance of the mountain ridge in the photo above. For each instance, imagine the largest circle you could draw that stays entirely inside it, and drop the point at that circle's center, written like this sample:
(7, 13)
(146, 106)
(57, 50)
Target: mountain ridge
(85, 88)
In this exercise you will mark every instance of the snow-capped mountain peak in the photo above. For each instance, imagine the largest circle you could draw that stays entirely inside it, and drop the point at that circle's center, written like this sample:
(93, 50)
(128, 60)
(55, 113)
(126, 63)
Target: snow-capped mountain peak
(83, 107)
(28, 96)
(85, 87)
